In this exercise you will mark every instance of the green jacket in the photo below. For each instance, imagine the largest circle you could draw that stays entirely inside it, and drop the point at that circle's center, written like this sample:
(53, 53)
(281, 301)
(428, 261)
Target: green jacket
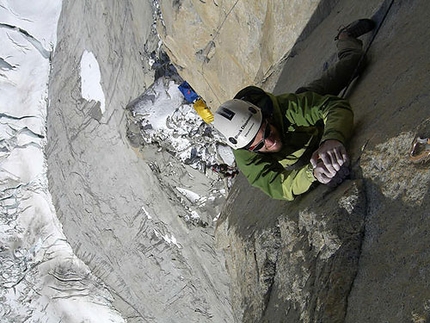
(304, 121)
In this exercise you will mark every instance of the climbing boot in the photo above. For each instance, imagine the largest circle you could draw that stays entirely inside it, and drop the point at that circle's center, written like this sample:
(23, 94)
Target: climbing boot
(357, 28)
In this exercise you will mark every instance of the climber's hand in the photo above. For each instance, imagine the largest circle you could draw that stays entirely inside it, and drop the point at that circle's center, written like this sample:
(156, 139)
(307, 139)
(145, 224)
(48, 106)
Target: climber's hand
(322, 174)
(332, 154)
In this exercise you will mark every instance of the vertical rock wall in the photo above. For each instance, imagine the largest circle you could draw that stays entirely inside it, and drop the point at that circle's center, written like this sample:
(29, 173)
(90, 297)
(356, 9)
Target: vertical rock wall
(296, 262)
(355, 254)
(222, 46)
(114, 213)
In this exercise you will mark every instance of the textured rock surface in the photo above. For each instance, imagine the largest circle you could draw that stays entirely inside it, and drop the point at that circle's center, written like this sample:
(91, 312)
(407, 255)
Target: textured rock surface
(298, 260)
(355, 254)
(391, 105)
(222, 46)
(113, 211)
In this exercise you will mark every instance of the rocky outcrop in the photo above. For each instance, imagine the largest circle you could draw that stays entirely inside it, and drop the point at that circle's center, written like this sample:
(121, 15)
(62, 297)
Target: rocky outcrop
(292, 263)
(222, 46)
(114, 212)
(356, 254)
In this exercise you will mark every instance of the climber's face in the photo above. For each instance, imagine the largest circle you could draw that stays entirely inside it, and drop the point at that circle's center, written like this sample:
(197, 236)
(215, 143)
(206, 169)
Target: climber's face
(267, 139)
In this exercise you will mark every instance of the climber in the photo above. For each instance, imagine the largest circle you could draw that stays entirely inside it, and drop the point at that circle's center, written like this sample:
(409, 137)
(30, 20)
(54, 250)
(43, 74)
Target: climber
(285, 143)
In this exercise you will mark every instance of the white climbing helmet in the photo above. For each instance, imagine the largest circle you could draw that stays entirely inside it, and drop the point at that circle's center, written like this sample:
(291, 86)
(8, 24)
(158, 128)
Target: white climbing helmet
(239, 121)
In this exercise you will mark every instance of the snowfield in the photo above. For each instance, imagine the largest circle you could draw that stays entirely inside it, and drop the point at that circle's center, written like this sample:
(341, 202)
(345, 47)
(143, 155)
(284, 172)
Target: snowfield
(41, 278)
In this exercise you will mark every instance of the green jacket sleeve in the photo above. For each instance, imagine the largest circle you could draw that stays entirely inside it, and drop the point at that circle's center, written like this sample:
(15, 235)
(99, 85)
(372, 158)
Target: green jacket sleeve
(266, 173)
(307, 109)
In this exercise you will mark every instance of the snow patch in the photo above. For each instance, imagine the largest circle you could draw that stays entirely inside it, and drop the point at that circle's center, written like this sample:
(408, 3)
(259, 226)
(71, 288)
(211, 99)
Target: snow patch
(190, 195)
(146, 213)
(91, 88)
(168, 239)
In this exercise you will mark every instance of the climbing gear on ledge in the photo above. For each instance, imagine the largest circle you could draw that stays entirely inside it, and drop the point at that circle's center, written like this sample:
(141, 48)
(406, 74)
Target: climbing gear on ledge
(420, 150)
(203, 111)
(198, 103)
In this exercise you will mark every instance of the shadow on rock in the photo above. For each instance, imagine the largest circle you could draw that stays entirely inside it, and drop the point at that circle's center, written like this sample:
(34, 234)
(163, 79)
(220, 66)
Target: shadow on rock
(292, 261)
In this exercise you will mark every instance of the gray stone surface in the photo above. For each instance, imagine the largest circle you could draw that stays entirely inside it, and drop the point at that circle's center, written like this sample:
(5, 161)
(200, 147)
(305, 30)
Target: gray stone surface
(223, 46)
(300, 259)
(391, 106)
(114, 212)
(358, 253)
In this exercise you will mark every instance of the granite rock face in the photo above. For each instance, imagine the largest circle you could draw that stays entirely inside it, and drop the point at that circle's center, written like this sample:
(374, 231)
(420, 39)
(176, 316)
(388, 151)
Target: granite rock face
(115, 214)
(294, 263)
(356, 254)
(222, 46)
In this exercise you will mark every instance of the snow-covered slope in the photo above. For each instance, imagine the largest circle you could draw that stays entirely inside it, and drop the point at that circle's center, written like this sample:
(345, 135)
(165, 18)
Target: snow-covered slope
(41, 278)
